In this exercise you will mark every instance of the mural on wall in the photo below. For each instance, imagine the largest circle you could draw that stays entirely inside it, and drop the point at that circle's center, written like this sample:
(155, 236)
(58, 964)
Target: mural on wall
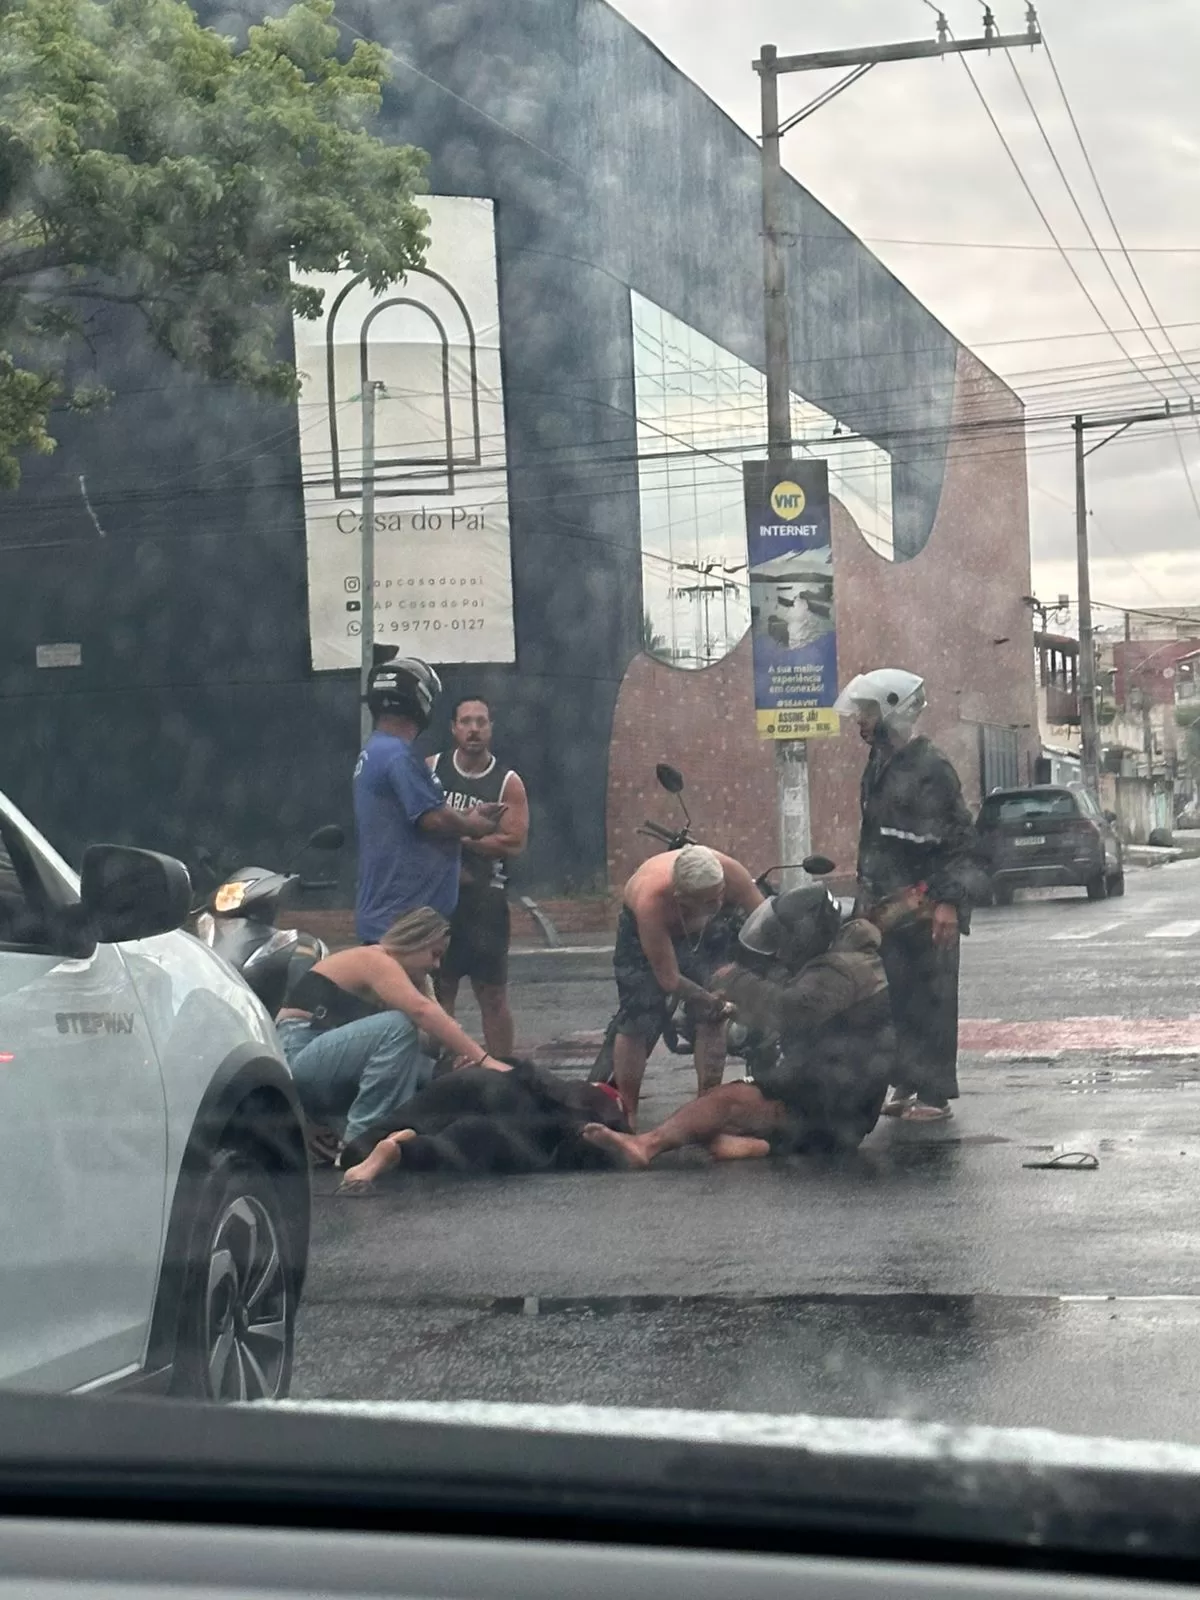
(443, 564)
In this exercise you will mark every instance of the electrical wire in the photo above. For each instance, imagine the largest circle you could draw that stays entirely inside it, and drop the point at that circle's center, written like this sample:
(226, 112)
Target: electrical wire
(1105, 262)
(1130, 263)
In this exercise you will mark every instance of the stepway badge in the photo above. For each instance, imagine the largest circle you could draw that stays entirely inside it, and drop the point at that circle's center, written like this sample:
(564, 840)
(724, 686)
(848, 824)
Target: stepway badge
(790, 556)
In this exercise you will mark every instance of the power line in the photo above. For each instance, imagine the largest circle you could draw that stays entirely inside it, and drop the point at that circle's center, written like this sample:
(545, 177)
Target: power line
(1137, 277)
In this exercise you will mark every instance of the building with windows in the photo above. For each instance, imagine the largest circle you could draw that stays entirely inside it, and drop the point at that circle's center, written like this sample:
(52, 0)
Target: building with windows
(568, 393)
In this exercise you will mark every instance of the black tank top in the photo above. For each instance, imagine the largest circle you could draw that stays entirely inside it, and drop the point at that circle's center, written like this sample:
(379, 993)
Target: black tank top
(329, 1005)
(467, 789)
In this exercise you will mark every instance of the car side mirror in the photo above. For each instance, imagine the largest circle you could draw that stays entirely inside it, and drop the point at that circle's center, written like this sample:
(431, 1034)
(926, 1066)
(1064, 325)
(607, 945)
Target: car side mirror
(330, 837)
(128, 894)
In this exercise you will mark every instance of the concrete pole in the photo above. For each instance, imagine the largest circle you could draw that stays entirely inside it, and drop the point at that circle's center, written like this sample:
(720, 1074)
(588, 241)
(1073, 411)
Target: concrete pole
(791, 755)
(1089, 737)
(367, 638)
(777, 357)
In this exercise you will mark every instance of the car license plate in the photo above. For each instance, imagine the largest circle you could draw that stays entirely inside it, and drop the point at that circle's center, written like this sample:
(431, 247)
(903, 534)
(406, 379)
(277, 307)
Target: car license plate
(1037, 838)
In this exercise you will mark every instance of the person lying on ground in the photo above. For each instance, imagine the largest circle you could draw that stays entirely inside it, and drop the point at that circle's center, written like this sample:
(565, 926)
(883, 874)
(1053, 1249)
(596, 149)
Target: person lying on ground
(669, 902)
(518, 1117)
(821, 1014)
(350, 1029)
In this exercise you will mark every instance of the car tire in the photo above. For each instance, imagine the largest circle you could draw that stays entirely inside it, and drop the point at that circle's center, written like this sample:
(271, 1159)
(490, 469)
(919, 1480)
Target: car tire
(237, 1316)
(1002, 894)
(1116, 884)
(1097, 887)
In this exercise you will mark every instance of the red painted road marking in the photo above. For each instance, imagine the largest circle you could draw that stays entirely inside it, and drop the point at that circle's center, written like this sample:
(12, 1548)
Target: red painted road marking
(990, 1036)
(1125, 1035)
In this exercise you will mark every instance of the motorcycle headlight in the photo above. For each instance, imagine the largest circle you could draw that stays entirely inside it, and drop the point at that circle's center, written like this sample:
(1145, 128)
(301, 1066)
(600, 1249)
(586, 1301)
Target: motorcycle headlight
(205, 928)
(281, 939)
(230, 896)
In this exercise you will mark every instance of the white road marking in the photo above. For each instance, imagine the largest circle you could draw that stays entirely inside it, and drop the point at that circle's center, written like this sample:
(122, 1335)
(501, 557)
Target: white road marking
(1175, 930)
(1086, 933)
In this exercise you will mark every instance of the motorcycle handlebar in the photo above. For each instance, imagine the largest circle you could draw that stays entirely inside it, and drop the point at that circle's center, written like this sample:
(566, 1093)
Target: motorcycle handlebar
(663, 835)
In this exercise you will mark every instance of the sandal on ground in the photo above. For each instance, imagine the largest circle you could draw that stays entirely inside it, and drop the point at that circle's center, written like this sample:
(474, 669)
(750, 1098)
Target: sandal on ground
(898, 1105)
(324, 1146)
(919, 1112)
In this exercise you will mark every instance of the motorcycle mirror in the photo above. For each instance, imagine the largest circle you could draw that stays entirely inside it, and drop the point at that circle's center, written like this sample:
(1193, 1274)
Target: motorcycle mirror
(330, 837)
(818, 866)
(669, 777)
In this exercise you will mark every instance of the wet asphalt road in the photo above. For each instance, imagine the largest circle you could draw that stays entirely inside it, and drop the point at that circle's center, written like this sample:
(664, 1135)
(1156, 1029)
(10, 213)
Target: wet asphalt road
(931, 1276)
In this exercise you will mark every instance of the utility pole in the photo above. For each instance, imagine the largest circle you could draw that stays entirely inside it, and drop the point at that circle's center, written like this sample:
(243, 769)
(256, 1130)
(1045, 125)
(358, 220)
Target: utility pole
(1116, 424)
(775, 307)
(771, 66)
(791, 755)
(1089, 731)
(371, 391)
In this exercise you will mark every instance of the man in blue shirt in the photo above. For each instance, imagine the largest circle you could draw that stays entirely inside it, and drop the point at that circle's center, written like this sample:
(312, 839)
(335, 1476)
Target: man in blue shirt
(408, 837)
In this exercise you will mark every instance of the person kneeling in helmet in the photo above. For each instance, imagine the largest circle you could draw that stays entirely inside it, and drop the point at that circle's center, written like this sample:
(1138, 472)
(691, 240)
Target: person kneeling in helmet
(917, 836)
(814, 997)
(669, 902)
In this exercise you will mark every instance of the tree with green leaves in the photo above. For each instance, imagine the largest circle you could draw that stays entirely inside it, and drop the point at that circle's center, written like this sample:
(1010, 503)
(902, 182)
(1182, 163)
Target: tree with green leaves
(149, 162)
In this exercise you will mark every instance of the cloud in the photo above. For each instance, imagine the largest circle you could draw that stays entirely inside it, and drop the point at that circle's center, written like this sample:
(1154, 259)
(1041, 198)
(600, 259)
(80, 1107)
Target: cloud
(908, 153)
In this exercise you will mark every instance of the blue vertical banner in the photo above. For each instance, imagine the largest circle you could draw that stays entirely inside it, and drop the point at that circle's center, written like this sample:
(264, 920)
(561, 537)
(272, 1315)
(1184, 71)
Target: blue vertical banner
(790, 553)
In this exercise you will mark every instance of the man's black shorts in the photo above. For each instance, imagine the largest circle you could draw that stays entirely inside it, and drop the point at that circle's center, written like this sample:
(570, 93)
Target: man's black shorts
(479, 936)
(643, 1007)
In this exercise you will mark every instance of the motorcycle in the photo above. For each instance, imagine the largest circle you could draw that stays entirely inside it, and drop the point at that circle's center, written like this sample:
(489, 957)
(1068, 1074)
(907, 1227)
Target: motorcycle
(718, 944)
(237, 919)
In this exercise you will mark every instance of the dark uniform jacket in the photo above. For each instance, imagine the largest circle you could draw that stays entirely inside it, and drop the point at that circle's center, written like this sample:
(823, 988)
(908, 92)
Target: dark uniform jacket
(832, 1023)
(916, 828)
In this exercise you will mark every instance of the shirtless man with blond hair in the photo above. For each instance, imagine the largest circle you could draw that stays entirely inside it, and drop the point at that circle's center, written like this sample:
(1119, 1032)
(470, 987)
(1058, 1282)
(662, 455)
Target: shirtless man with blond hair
(669, 902)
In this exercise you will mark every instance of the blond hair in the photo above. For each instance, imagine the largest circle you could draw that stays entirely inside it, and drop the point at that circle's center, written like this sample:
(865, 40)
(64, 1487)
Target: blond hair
(697, 870)
(415, 930)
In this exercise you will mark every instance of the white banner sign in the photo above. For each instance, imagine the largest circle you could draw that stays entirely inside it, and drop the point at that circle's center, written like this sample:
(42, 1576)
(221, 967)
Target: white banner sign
(443, 565)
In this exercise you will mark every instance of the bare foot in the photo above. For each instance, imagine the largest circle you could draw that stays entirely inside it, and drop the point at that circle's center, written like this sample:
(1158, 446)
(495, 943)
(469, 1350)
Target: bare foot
(627, 1147)
(359, 1180)
(738, 1147)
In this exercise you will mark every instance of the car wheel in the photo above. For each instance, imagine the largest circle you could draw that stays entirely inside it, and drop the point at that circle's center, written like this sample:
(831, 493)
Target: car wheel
(237, 1321)
(1116, 884)
(1002, 894)
(1097, 887)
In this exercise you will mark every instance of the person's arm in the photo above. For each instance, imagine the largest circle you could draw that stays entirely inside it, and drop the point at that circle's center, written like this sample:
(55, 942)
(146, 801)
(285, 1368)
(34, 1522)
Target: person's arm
(954, 861)
(740, 888)
(809, 1001)
(387, 979)
(660, 953)
(444, 822)
(511, 836)
(424, 804)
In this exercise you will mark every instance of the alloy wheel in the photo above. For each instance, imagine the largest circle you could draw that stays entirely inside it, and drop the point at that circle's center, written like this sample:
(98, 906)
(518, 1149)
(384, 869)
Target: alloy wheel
(247, 1304)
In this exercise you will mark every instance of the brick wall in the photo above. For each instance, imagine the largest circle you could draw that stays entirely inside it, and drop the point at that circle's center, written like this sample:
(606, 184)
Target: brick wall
(702, 723)
(954, 613)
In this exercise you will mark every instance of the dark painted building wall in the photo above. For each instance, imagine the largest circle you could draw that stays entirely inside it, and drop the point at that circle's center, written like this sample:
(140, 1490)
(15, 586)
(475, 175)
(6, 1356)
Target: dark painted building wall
(195, 716)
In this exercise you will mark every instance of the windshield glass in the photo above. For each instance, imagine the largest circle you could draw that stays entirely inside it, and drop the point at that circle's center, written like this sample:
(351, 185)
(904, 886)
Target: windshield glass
(1022, 808)
(531, 483)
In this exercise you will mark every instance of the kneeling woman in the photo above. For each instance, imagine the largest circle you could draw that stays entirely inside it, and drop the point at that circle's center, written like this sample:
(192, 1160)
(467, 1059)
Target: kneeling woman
(350, 1028)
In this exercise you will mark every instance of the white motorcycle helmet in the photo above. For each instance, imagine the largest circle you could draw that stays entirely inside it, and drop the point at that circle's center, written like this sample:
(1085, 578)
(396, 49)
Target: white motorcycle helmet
(899, 697)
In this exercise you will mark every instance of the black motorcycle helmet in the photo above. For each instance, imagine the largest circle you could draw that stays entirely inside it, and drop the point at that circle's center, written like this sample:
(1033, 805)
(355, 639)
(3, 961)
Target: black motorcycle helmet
(793, 928)
(404, 687)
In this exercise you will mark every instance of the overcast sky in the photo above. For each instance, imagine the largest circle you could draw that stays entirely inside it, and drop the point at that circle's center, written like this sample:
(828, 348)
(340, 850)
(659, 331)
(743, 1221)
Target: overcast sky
(908, 154)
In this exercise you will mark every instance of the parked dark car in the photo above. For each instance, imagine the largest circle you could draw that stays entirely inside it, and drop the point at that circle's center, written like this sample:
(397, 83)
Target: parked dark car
(1051, 836)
